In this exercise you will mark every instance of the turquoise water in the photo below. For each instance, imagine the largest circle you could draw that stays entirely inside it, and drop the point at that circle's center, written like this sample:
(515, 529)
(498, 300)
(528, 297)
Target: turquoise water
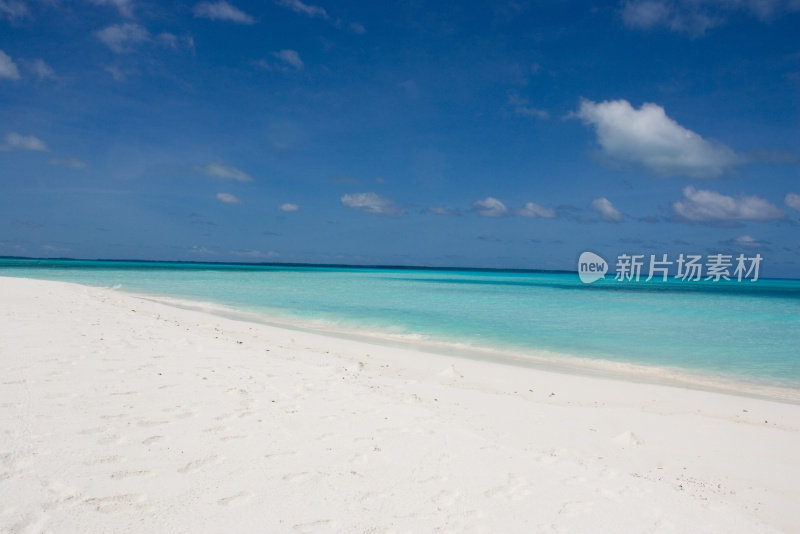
(735, 330)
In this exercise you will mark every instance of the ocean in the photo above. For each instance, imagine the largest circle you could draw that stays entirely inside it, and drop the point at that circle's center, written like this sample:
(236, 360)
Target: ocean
(727, 332)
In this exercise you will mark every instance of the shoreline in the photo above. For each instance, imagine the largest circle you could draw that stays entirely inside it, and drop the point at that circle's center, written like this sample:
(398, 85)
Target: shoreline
(119, 413)
(661, 361)
(541, 359)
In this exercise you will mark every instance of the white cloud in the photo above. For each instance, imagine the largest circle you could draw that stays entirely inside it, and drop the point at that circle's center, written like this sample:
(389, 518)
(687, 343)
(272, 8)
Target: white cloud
(304, 9)
(123, 38)
(222, 11)
(290, 57)
(522, 107)
(252, 253)
(288, 207)
(747, 241)
(644, 15)
(225, 172)
(41, 69)
(438, 210)
(15, 141)
(13, 9)
(118, 74)
(201, 250)
(490, 207)
(371, 203)
(531, 209)
(793, 201)
(71, 163)
(228, 198)
(606, 209)
(696, 17)
(169, 40)
(648, 137)
(704, 205)
(8, 69)
(125, 7)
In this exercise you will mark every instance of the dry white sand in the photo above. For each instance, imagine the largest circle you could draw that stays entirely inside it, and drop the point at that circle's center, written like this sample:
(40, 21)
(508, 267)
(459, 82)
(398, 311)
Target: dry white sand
(121, 414)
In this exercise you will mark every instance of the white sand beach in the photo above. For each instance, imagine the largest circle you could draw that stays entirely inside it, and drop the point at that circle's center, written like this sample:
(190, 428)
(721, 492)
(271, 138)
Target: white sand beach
(122, 414)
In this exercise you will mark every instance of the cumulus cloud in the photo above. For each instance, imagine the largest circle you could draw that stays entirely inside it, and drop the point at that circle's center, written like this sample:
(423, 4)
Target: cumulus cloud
(225, 172)
(304, 9)
(8, 69)
(695, 18)
(606, 209)
(288, 207)
(125, 7)
(490, 207)
(13, 10)
(704, 205)
(792, 200)
(531, 209)
(123, 38)
(228, 198)
(222, 11)
(15, 141)
(290, 57)
(41, 69)
(70, 163)
(648, 137)
(371, 203)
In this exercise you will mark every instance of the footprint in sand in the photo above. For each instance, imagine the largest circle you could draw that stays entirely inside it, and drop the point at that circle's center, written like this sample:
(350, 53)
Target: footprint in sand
(113, 439)
(243, 497)
(197, 465)
(280, 454)
(116, 503)
(231, 438)
(93, 430)
(297, 477)
(33, 522)
(517, 488)
(151, 439)
(60, 496)
(121, 475)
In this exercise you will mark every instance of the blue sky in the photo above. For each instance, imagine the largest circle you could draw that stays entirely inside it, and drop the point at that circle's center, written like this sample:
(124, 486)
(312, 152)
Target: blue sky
(489, 134)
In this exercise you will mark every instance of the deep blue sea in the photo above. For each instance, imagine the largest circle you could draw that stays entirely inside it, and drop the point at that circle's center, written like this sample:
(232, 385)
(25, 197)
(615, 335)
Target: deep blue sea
(742, 331)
